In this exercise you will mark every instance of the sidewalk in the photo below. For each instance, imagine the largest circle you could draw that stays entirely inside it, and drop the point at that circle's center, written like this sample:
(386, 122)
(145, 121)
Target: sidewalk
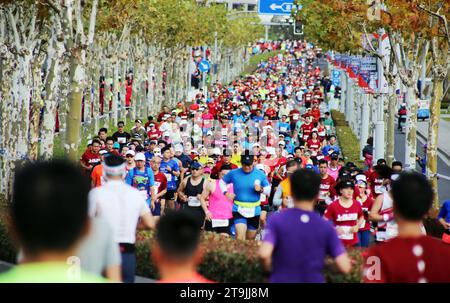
(443, 136)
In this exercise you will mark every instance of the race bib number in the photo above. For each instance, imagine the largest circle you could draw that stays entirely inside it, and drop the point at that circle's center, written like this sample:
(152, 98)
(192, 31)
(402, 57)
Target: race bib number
(193, 202)
(363, 223)
(391, 230)
(345, 234)
(122, 140)
(168, 177)
(379, 189)
(224, 132)
(323, 195)
(157, 185)
(263, 198)
(283, 129)
(295, 116)
(247, 212)
(219, 223)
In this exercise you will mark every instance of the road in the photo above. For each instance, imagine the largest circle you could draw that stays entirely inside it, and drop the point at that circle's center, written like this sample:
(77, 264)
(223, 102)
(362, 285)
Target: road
(443, 169)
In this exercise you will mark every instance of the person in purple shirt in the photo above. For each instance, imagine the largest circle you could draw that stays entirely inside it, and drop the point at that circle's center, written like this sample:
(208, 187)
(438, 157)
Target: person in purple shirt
(297, 240)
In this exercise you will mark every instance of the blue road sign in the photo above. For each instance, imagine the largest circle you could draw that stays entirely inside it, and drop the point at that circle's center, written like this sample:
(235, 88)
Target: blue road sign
(336, 77)
(276, 7)
(204, 66)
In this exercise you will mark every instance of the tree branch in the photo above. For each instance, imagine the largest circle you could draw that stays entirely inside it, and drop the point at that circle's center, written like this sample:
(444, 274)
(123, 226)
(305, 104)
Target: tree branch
(13, 26)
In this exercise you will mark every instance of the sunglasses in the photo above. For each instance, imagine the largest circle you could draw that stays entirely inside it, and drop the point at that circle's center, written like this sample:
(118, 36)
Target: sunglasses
(195, 168)
(129, 156)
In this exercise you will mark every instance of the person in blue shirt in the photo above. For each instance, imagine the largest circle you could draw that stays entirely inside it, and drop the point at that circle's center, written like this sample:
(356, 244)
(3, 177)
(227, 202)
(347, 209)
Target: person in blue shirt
(284, 127)
(238, 117)
(141, 177)
(258, 116)
(444, 219)
(248, 186)
(289, 145)
(332, 144)
(169, 167)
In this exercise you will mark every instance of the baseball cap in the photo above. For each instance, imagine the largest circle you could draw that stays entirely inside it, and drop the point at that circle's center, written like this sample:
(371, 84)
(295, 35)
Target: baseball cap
(116, 145)
(345, 184)
(89, 143)
(334, 156)
(207, 170)
(138, 121)
(216, 151)
(154, 142)
(247, 159)
(196, 165)
(260, 166)
(282, 143)
(130, 152)
(103, 152)
(166, 134)
(139, 157)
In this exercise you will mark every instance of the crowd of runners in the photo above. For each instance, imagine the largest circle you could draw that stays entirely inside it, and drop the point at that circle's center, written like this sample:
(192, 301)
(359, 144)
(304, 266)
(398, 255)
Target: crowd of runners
(258, 159)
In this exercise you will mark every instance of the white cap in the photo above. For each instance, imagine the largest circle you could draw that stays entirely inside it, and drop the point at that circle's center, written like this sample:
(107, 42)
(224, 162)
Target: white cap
(281, 143)
(216, 151)
(139, 157)
(178, 148)
(103, 151)
(167, 134)
(260, 167)
(361, 177)
(130, 152)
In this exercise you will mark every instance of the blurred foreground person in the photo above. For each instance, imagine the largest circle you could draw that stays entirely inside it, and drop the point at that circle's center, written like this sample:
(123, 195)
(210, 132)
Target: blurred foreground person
(411, 257)
(49, 232)
(123, 207)
(297, 240)
(176, 251)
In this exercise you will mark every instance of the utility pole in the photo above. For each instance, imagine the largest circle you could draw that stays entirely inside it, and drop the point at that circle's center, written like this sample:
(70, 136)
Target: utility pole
(266, 32)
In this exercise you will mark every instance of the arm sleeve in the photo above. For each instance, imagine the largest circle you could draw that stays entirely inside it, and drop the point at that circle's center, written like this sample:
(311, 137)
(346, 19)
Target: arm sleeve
(223, 186)
(277, 199)
(129, 178)
(151, 177)
(266, 190)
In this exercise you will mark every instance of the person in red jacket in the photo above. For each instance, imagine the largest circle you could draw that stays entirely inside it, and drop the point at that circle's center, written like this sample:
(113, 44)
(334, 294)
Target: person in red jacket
(411, 257)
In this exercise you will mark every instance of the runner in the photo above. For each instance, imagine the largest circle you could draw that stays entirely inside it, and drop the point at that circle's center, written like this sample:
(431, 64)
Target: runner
(141, 177)
(97, 178)
(46, 250)
(176, 251)
(327, 192)
(346, 213)
(283, 196)
(248, 185)
(410, 257)
(190, 191)
(121, 206)
(297, 240)
(218, 209)
(170, 169)
(91, 157)
(161, 186)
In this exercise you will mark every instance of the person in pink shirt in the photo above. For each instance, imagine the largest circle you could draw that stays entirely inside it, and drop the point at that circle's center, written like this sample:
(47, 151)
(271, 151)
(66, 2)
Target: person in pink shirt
(333, 166)
(218, 213)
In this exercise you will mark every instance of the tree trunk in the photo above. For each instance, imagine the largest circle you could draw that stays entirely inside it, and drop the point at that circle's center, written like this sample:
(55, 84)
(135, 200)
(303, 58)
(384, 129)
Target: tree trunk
(51, 100)
(36, 106)
(411, 128)
(433, 136)
(390, 133)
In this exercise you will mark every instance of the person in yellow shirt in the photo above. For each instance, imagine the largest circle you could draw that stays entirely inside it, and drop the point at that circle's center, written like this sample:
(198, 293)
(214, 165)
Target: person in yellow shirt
(282, 195)
(236, 155)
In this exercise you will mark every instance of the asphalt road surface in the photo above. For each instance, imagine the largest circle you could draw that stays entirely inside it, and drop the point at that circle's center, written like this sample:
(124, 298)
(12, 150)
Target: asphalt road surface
(443, 169)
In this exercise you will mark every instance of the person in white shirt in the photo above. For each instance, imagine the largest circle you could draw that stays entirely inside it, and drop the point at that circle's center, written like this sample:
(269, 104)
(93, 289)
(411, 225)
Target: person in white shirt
(122, 206)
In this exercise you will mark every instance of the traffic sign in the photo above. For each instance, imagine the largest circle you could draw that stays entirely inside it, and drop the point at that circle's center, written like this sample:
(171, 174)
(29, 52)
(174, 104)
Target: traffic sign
(204, 66)
(276, 7)
(336, 77)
